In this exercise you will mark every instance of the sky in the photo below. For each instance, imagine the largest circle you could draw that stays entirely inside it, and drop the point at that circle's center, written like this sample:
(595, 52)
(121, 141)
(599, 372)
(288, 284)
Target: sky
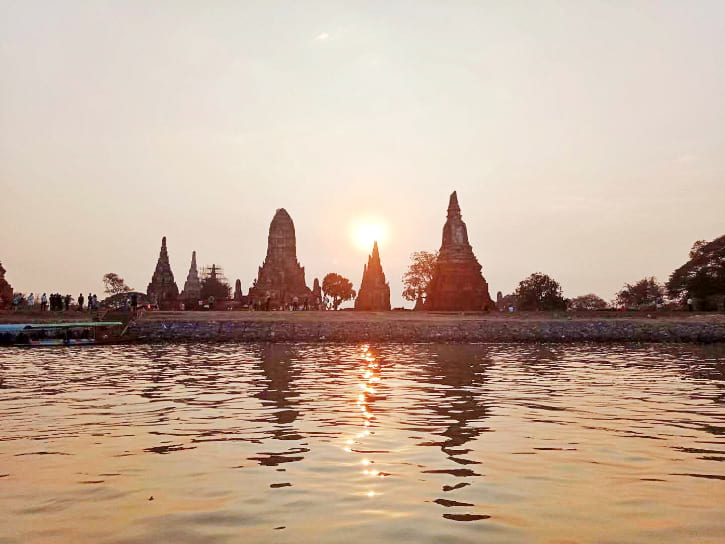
(586, 140)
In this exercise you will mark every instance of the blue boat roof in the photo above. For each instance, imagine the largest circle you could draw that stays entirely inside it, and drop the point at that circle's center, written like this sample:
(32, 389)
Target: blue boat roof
(15, 327)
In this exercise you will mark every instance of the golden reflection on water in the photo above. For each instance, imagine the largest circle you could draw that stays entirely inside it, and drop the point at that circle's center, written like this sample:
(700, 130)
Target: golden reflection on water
(385, 443)
(369, 375)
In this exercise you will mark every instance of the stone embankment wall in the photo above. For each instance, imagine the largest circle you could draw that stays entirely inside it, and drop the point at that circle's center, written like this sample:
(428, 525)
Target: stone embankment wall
(420, 331)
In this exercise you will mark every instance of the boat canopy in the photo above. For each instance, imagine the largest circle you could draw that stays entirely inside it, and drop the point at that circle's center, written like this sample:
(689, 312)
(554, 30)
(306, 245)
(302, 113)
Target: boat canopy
(55, 326)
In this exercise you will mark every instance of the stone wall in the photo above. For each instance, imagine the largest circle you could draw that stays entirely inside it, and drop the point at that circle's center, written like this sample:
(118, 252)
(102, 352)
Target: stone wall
(610, 330)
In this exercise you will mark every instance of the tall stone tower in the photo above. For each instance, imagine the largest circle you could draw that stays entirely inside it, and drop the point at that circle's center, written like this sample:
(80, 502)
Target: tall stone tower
(238, 290)
(6, 291)
(374, 293)
(281, 277)
(457, 282)
(192, 285)
(163, 288)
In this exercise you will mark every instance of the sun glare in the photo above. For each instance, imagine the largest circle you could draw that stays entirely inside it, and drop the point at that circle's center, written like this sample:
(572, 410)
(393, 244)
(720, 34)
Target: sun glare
(364, 233)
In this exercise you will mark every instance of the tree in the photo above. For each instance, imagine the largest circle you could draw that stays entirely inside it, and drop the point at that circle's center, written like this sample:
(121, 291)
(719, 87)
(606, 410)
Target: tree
(419, 275)
(539, 292)
(337, 287)
(646, 292)
(115, 284)
(703, 275)
(587, 302)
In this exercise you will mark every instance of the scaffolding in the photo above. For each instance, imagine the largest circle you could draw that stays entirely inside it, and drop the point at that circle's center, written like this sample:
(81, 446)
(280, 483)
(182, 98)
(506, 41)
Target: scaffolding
(214, 283)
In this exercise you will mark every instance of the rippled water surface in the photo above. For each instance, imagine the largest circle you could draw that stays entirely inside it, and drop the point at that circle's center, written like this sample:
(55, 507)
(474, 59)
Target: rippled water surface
(353, 443)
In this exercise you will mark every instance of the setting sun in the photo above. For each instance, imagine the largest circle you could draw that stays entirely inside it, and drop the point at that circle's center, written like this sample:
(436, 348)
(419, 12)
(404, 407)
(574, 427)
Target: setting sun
(364, 233)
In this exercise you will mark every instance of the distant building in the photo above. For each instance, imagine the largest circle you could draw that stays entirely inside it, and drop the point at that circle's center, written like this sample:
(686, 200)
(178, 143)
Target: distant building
(163, 289)
(457, 282)
(281, 278)
(374, 293)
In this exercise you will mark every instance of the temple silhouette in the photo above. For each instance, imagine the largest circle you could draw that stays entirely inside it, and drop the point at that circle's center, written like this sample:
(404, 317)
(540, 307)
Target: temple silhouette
(6, 290)
(374, 293)
(281, 279)
(457, 282)
(163, 289)
(192, 286)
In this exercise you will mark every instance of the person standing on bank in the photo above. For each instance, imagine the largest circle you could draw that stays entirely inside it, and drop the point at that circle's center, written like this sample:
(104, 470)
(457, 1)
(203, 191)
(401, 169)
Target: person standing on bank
(80, 302)
(689, 304)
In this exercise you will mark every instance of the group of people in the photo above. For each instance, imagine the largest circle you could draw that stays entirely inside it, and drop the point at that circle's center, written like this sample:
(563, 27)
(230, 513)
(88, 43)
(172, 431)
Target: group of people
(58, 302)
(55, 302)
(293, 305)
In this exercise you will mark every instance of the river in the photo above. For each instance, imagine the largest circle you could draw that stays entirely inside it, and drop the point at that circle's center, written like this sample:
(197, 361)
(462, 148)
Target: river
(353, 443)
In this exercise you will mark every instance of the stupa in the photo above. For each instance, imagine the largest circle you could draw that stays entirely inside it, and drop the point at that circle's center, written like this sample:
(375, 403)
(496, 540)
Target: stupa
(238, 290)
(457, 282)
(192, 286)
(162, 288)
(6, 291)
(281, 278)
(374, 293)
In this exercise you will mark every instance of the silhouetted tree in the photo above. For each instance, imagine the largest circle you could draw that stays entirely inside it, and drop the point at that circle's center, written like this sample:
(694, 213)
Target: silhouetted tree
(645, 292)
(539, 292)
(115, 284)
(338, 288)
(420, 272)
(703, 275)
(587, 302)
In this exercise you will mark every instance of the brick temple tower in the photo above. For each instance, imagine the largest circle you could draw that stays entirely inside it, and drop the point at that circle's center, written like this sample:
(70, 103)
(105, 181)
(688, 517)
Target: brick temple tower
(281, 277)
(192, 286)
(457, 282)
(162, 288)
(374, 293)
(6, 291)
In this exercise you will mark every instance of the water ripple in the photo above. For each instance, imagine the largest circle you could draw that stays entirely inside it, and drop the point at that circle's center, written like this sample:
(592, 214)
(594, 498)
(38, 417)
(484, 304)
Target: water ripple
(419, 443)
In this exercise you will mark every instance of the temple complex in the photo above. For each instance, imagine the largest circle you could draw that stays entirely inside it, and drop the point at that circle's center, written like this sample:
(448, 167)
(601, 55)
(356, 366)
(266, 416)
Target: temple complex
(457, 282)
(374, 293)
(281, 278)
(6, 291)
(192, 286)
(162, 288)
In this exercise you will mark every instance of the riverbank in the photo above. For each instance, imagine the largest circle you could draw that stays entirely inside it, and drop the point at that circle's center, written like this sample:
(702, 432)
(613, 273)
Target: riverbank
(407, 326)
(424, 327)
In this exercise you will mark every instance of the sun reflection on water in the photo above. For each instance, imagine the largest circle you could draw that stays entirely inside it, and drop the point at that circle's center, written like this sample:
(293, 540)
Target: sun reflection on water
(369, 375)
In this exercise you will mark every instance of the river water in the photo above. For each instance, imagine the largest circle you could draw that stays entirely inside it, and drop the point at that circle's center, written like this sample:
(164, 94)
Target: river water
(355, 443)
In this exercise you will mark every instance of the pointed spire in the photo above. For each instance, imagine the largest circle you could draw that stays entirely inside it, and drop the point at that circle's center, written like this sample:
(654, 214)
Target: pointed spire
(454, 210)
(374, 293)
(192, 286)
(457, 282)
(162, 288)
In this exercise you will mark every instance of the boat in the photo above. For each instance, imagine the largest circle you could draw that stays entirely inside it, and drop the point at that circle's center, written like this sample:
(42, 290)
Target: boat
(60, 334)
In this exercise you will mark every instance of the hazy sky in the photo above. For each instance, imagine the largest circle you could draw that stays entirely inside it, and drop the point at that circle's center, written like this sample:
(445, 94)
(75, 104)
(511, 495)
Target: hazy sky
(586, 140)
